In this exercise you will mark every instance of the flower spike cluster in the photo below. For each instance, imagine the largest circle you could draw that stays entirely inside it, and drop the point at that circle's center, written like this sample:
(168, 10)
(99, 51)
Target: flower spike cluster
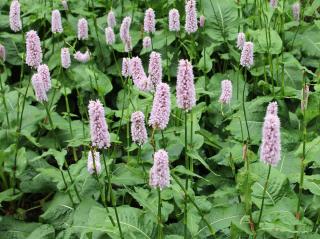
(155, 69)
(33, 47)
(149, 21)
(14, 16)
(246, 59)
(160, 171)
(111, 19)
(93, 163)
(139, 77)
(138, 128)
(241, 40)
(110, 37)
(191, 25)
(65, 58)
(82, 57)
(126, 68)
(174, 20)
(82, 29)
(226, 92)
(56, 25)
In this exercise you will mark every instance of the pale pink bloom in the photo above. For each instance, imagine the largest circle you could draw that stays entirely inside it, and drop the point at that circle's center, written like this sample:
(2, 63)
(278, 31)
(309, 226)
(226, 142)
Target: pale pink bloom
(296, 11)
(44, 74)
(149, 21)
(65, 58)
(271, 143)
(202, 21)
(93, 163)
(100, 136)
(82, 29)
(126, 70)
(160, 113)
(146, 43)
(56, 25)
(138, 128)
(82, 57)
(246, 59)
(14, 16)
(125, 33)
(65, 5)
(128, 45)
(155, 69)
(39, 89)
(110, 37)
(241, 40)
(139, 77)
(272, 108)
(33, 48)
(2, 53)
(304, 97)
(111, 19)
(274, 3)
(186, 94)
(174, 20)
(226, 92)
(160, 171)
(191, 25)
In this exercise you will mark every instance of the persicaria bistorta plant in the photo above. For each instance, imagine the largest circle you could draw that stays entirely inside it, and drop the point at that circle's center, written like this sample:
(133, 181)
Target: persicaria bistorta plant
(160, 171)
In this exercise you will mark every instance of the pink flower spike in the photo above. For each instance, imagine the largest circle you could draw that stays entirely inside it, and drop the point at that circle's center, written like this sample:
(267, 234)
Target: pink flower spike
(202, 21)
(271, 145)
(14, 16)
(111, 19)
(155, 69)
(110, 37)
(138, 128)
(2, 53)
(146, 42)
(65, 58)
(33, 48)
(149, 21)
(273, 3)
(39, 89)
(93, 163)
(186, 95)
(226, 92)
(83, 29)
(246, 59)
(174, 20)
(139, 77)
(56, 25)
(44, 75)
(191, 25)
(82, 57)
(100, 136)
(160, 113)
(241, 40)
(296, 11)
(125, 30)
(272, 108)
(305, 97)
(160, 171)
(126, 71)
(65, 5)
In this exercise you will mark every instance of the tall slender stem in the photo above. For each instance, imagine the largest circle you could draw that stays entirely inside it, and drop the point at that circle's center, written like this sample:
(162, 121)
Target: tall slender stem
(243, 105)
(4, 98)
(263, 195)
(187, 177)
(160, 232)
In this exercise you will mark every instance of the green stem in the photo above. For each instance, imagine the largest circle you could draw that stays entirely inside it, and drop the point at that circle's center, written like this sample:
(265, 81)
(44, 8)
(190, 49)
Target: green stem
(142, 164)
(243, 105)
(187, 178)
(160, 232)
(4, 99)
(263, 195)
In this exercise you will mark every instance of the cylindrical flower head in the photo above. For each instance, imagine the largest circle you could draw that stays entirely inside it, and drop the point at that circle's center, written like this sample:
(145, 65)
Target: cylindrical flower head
(139, 77)
(241, 40)
(146, 43)
(271, 146)
(149, 21)
(100, 136)
(82, 57)
(174, 20)
(125, 30)
(44, 74)
(155, 69)
(138, 128)
(226, 92)
(160, 113)
(246, 59)
(304, 97)
(14, 16)
(160, 171)
(56, 25)
(126, 70)
(82, 29)
(39, 89)
(191, 16)
(65, 58)
(186, 94)
(296, 11)
(2, 53)
(272, 108)
(111, 19)
(93, 163)
(202, 21)
(33, 48)
(110, 37)
(273, 3)
(65, 5)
